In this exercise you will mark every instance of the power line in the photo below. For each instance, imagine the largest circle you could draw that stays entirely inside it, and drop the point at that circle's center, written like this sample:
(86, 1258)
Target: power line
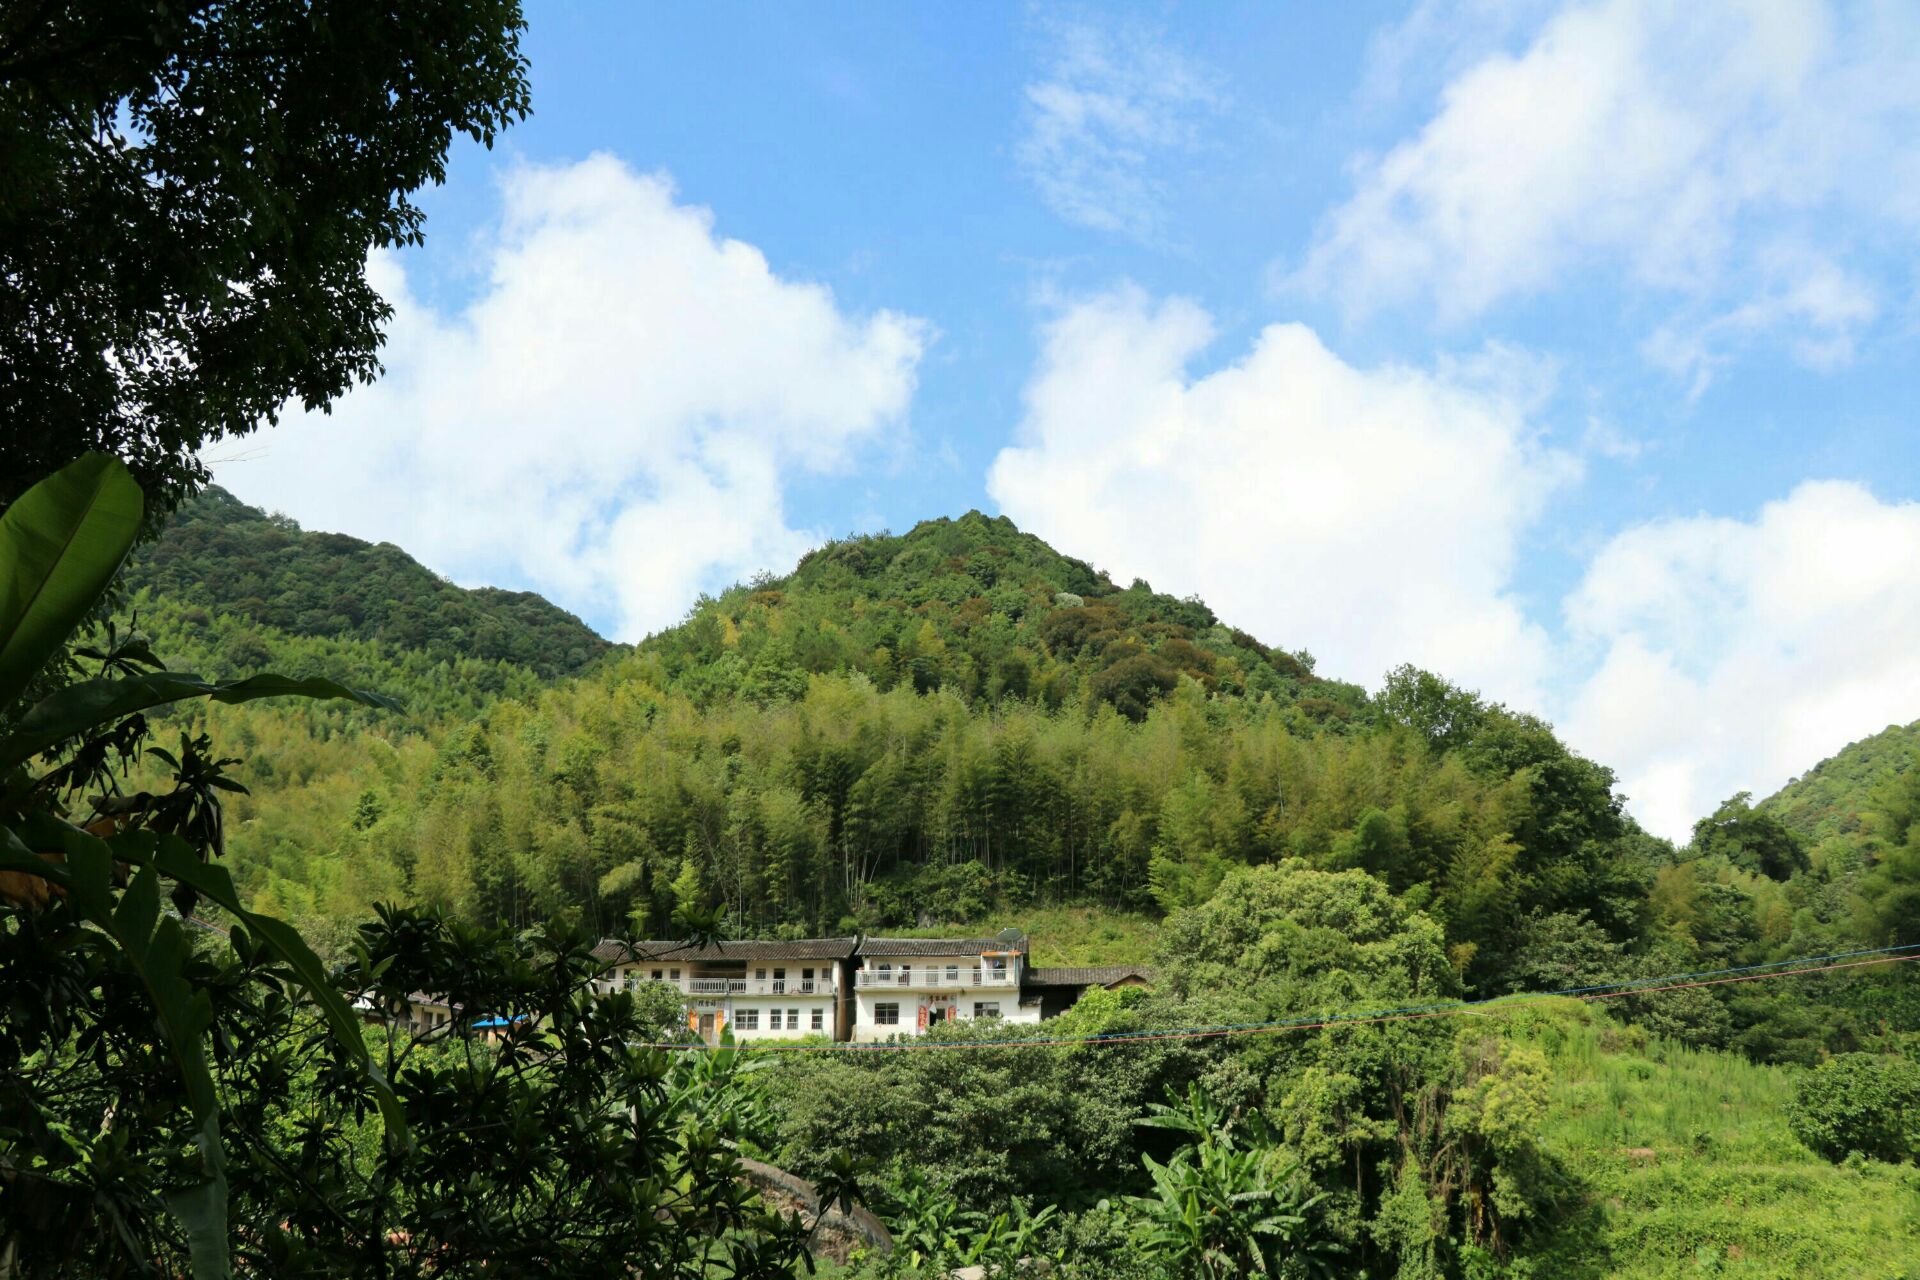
(1404, 1013)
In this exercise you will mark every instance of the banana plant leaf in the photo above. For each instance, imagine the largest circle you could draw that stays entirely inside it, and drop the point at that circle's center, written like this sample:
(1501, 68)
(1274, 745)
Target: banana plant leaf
(175, 859)
(60, 544)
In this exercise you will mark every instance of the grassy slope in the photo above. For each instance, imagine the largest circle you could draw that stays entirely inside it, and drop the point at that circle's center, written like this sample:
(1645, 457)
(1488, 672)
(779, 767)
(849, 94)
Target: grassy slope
(1062, 935)
(1691, 1168)
(1685, 1155)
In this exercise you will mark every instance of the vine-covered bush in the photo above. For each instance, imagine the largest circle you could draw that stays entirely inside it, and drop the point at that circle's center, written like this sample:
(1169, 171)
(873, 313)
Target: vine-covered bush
(1864, 1102)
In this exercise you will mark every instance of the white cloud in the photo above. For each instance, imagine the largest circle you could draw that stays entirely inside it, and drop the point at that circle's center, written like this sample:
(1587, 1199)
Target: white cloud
(1604, 440)
(1677, 146)
(1110, 105)
(1436, 41)
(1371, 515)
(615, 415)
(1733, 655)
(1815, 304)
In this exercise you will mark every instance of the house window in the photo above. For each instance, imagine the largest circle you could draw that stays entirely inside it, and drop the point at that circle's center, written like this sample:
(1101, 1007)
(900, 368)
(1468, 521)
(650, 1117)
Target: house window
(676, 975)
(793, 1019)
(986, 1008)
(819, 1019)
(656, 975)
(906, 975)
(631, 981)
(749, 1019)
(779, 982)
(886, 1015)
(759, 975)
(953, 975)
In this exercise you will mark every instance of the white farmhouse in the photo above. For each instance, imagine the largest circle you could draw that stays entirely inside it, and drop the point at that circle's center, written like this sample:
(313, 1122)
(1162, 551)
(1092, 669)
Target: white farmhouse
(860, 988)
(903, 986)
(761, 990)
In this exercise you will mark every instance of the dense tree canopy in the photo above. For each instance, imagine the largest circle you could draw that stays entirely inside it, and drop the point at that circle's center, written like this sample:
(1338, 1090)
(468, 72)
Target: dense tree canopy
(188, 195)
(222, 557)
(977, 608)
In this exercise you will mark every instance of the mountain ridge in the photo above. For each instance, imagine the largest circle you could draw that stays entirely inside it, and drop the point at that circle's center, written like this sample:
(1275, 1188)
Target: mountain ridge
(221, 552)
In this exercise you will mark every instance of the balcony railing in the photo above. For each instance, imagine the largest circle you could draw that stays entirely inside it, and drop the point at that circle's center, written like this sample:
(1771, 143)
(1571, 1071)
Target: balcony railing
(932, 977)
(732, 986)
(783, 986)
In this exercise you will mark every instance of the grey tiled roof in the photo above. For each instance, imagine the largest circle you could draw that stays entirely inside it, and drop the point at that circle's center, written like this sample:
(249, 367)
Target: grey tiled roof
(612, 951)
(1099, 975)
(1012, 940)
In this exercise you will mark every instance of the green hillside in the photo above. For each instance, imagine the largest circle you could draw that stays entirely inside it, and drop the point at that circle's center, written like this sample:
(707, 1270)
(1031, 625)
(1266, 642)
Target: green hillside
(959, 727)
(961, 724)
(977, 608)
(221, 554)
(1688, 1166)
(1835, 800)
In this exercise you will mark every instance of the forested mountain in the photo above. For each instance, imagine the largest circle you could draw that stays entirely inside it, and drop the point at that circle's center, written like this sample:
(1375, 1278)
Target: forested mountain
(978, 609)
(1835, 800)
(906, 728)
(222, 555)
(960, 722)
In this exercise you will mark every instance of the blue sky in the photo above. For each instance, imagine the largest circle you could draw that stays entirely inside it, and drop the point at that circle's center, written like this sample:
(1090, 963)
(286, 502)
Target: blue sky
(1567, 348)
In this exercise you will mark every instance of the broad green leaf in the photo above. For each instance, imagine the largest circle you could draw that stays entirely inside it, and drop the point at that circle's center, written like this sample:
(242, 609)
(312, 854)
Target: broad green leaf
(60, 544)
(156, 951)
(88, 705)
(175, 859)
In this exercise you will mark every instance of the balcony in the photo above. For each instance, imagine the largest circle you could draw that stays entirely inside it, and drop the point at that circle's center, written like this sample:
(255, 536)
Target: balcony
(711, 987)
(779, 986)
(935, 978)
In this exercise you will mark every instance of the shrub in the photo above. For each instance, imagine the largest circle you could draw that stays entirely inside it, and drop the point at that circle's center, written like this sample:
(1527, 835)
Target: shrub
(1865, 1102)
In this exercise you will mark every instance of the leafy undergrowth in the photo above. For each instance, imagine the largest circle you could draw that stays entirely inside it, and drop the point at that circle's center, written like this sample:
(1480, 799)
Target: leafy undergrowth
(1690, 1168)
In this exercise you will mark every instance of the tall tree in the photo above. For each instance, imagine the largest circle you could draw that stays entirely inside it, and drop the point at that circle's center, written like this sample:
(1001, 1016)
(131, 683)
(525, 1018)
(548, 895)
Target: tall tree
(189, 190)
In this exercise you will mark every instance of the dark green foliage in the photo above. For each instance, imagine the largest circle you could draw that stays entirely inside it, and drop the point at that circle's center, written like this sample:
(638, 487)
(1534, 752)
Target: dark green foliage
(188, 195)
(1864, 1102)
(540, 1141)
(171, 1105)
(1753, 839)
(1231, 1202)
(1562, 951)
(983, 1125)
(95, 952)
(1134, 683)
(239, 563)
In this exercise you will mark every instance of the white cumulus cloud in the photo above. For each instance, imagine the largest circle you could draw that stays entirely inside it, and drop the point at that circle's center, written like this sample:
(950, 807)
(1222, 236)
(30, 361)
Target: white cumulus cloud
(1690, 150)
(1370, 515)
(614, 416)
(1734, 654)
